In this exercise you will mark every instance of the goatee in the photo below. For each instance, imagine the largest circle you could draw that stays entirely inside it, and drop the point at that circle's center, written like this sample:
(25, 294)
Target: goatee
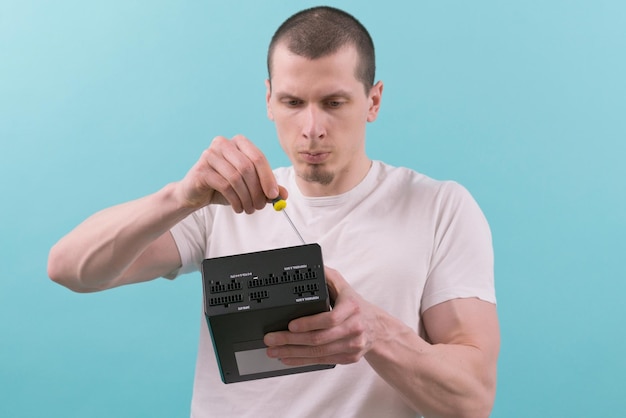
(316, 174)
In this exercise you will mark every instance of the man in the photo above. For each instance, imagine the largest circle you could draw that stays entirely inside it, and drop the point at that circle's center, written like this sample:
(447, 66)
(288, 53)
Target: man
(413, 328)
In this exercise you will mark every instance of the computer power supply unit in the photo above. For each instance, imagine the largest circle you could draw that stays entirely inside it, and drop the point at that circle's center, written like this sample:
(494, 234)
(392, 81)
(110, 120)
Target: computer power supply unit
(249, 295)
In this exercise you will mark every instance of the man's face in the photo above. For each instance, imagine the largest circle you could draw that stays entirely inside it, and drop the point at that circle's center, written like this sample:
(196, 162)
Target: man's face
(321, 110)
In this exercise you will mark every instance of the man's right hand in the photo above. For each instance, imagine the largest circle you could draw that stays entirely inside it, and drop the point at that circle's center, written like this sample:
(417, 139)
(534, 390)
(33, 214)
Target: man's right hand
(131, 242)
(231, 171)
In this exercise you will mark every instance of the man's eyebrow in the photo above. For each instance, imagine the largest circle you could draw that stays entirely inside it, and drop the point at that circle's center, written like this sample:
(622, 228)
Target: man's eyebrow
(335, 94)
(284, 95)
(338, 93)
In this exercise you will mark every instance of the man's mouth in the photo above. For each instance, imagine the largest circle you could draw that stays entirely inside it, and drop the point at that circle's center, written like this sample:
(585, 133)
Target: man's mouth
(314, 157)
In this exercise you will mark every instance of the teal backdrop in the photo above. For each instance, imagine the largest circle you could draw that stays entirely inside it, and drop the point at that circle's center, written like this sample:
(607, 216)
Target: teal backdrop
(105, 101)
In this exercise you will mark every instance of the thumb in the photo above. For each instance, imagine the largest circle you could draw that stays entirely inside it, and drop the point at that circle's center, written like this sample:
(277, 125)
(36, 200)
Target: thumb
(219, 199)
(335, 281)
(282, 194)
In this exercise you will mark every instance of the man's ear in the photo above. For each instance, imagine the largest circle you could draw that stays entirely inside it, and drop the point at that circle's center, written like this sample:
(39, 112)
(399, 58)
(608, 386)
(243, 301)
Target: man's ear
(375, 98)
(268, 96)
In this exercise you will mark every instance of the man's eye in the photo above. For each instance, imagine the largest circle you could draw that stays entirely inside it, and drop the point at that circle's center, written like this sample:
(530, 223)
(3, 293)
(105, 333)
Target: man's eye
(334, 103)
(293, 102)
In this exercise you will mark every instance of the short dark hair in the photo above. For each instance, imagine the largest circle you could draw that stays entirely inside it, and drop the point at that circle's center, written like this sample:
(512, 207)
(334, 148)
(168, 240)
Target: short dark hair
(320, 31)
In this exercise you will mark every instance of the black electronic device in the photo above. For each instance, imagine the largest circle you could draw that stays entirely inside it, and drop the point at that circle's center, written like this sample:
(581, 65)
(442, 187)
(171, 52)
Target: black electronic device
(249, 295)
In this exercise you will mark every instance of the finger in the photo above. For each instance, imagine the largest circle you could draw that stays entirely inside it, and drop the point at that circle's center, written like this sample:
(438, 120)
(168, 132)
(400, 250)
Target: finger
(314, 338)
(223, 193)
(240, 171)
(204, 183)
(337, 352)
(335, 282)
(231, 187)
(282, 193)
(339, 358)
(342, 311)
(220, 173)
(219, 199)
(264, 172)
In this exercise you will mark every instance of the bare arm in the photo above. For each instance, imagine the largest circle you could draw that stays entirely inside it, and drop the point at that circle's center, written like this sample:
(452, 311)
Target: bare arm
(131, 243)
(123, 244)
(455, 376)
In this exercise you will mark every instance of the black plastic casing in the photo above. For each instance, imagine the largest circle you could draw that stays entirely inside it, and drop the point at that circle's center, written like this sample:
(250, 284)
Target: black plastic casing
(248, 295)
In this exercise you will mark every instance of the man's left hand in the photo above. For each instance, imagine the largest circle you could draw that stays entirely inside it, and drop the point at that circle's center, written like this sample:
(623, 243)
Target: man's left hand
(341, 336)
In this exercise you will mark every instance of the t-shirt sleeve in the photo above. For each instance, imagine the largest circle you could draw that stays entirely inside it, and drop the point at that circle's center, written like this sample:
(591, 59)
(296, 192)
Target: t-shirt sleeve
(462, 259)
(191, 237)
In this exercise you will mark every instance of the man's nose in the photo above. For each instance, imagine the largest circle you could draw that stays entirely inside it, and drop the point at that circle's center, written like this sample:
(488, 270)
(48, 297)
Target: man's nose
(313, 127)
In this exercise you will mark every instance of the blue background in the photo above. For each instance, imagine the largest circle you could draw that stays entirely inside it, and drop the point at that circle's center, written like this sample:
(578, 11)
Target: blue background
(104, 101)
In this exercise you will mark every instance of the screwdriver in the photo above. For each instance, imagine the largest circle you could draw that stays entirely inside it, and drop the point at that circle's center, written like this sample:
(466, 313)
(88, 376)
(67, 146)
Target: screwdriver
(279, 206)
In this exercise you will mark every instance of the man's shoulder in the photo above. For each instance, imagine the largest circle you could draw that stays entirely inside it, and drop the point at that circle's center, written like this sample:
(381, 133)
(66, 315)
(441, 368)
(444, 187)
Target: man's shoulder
(409, 176)
(414, 184)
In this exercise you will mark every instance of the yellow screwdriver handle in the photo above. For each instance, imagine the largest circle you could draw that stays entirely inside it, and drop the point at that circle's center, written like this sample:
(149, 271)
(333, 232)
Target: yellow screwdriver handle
(279, 204)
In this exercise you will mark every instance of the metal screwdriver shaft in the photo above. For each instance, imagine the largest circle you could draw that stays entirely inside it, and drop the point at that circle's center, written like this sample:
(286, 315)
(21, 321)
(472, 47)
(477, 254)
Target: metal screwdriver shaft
(279, 205)
(293, 226)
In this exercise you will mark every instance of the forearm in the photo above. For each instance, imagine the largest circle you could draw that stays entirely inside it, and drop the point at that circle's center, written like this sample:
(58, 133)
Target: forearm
(104, 246)
(441, 380)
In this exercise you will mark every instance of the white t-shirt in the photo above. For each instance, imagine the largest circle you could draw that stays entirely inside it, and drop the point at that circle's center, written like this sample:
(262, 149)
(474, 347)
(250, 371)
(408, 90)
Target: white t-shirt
(403, 241)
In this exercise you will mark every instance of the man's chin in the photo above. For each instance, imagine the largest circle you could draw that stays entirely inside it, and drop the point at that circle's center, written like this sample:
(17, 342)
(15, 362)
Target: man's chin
(316, 174)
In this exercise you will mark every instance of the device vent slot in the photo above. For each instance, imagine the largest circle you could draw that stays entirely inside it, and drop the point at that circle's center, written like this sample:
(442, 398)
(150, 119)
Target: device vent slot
(226, 300)
(233, 286)
(266, 281)
(218, 287)
(300, 275)
(258, 295)
(256, 282)
(306, 288)
(271, 279)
